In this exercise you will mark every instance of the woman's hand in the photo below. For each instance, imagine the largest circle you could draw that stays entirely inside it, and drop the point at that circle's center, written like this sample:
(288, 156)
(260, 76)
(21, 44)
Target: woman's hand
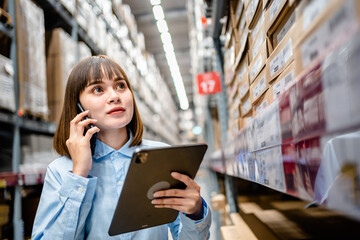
(187, 201)
(79, 145)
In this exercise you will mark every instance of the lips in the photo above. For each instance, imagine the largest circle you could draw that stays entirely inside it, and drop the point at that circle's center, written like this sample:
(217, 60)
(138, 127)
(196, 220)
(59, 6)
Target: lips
(116, 110)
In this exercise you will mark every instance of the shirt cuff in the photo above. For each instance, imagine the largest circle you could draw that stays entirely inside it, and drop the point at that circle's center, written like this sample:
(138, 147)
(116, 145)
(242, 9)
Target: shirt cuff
(76, 187)
(201, 224)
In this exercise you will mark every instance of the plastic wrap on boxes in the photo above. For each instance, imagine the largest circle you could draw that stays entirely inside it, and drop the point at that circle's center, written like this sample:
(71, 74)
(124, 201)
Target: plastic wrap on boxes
(7, 97)
(31, 58)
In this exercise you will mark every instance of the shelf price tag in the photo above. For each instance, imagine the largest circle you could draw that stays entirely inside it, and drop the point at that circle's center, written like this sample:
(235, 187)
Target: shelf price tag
(208, 83)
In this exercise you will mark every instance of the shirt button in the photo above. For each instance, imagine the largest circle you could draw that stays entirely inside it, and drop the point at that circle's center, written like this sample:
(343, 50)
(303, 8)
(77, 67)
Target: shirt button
(116, 154)
(120, 183)
(80, 189)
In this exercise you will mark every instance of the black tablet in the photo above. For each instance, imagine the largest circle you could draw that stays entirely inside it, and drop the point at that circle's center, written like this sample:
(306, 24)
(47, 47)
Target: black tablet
(149, 172)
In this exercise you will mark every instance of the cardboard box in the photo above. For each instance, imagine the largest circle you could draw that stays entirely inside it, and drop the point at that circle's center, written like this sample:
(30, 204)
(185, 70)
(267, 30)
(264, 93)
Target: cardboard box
(30, 45)
(7, 96)
(282, 56)
(259, 62)
(246, 106)
(258, 87)
(244, 85)
(255, 7)
(274, 13)
(60, 61)
(259, 26)
(240, 11)
(257, 42)
(285, 79)
(263, 102)
(283, 27)
(333, 27)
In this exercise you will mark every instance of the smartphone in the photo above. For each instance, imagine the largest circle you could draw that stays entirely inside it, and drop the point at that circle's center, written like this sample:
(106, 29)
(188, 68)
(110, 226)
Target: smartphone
(94, 136)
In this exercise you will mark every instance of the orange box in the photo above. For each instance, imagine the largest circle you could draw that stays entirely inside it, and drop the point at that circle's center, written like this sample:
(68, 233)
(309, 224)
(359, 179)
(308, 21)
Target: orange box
(258, 87)
(258, 62)
(281, 57)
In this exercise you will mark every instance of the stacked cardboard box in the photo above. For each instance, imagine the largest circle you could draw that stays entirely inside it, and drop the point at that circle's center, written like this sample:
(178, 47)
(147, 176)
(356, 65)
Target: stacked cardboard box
(60, 61)
(31, 59)
(7, 97)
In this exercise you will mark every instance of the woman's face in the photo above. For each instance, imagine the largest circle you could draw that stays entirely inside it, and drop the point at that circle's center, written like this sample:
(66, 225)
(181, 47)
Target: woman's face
(110, 102)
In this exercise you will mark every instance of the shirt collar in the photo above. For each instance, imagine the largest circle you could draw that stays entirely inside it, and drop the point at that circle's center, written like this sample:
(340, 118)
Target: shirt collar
(102, 149)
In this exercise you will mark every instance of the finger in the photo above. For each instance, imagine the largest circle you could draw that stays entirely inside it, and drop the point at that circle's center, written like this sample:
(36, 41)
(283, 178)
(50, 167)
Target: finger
(82, 124)
(76, 120)
(174, 201)
(179, 193)
(185, 179)
(179, 208)
(91, 132)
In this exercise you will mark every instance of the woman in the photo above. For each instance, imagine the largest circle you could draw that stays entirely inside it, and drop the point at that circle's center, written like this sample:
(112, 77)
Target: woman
(81, 189)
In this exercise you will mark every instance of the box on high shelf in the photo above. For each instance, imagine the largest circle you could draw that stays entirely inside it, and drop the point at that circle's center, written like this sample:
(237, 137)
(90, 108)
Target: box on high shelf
(7, 96)
(242, 75)
(256, 37)
(30, 37)
(339, 21)
(246, 106)
(60, 61)
(258, 87)
(263, 101)
(259, 62)
(282, 55)
(285, 79)
(254, 8)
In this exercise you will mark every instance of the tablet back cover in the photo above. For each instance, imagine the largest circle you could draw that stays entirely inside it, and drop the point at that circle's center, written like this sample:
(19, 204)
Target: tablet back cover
(149, 171)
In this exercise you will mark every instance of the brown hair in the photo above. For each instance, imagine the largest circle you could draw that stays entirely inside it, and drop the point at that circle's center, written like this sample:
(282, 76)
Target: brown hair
(88, 70)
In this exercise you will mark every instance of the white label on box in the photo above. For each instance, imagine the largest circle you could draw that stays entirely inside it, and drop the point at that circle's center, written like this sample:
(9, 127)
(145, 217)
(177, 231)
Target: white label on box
(283, 56)
(274, 8)
(243, 38)
(239, 8)
(259, 88)
(286, 28)
(281, 84)
(261, 106)
(7, 99)
(257, 45)
(312, 10)
(252, 8)
(266, 127)
(242, 72)
(340, 22)
(243, 90)
(242, 24)
(257, 66)
(258, 25)
(270, 168)
(247, 106)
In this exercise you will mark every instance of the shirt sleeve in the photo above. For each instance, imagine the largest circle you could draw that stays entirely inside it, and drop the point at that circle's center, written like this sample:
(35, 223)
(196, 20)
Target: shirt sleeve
(65, 203)
(185, 228)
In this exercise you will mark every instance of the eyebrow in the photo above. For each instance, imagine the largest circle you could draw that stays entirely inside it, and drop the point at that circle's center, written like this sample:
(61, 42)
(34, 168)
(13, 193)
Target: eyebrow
(117, 79)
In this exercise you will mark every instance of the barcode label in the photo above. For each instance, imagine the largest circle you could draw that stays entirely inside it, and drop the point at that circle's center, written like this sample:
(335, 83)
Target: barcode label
(255, 69)
(257, 27)
(279, 87)
(340, 22)
(261, 106)
(274, 8)
(259, 88)
(286, 28)
(283, 56)
(257, 45)
(313, 10)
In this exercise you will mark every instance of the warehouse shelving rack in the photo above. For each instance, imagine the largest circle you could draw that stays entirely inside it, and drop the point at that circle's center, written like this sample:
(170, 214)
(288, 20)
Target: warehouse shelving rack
(26, 124)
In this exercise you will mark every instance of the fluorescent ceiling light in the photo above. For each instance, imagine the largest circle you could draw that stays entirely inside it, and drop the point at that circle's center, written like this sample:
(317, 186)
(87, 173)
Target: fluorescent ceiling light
(155, 2)
(162, 26)
(158, 12)
(166, 38)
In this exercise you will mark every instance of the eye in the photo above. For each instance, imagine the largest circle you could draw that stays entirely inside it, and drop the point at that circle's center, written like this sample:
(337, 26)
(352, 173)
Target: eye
(121, 85)
(97, 89)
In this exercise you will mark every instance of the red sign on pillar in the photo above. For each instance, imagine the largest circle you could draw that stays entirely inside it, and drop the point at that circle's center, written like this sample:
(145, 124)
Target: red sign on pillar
(208, 83)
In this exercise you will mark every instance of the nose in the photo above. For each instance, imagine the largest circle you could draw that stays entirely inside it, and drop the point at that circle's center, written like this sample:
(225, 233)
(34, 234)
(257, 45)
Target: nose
(113, 97)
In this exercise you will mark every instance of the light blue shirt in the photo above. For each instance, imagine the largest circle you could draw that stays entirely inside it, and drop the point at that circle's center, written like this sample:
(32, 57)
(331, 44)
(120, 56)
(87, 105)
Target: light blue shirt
(74, 207)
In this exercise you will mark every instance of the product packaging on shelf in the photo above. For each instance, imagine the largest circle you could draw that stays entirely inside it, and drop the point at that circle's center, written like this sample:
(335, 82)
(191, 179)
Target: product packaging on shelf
(258, 87)
(7, 96)
(283, 80)
(31, 59)
(60, 61)
(258, 62)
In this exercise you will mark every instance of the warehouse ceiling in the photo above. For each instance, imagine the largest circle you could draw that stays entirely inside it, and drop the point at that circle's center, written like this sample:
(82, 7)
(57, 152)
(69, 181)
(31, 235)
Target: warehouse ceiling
(175, 12)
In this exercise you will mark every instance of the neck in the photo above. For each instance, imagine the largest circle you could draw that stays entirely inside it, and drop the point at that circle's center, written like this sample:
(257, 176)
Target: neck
(114, 139)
